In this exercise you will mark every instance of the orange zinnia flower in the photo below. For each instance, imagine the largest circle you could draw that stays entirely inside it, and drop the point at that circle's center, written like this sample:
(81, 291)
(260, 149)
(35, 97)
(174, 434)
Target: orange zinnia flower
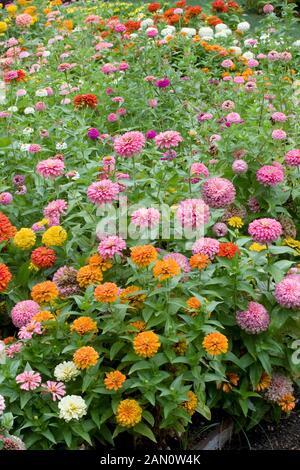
(5, 277)
(97, 260)
(264, 382)
(85, 357)
(88, 275)
(44, 315)
(44, 292)
(215, 343)
(129, 413)
(287, 403)
(107, 292)
(7, 230)
(88, 101)
(146, 344)
(193, 303)
(140, 325)
(164, 269)
(131, 296)
(143, 255)
(199, 261)
(191, 404)
(83, 325)
(9, 340)
(228, 250)
(43, 257)
(114, 380)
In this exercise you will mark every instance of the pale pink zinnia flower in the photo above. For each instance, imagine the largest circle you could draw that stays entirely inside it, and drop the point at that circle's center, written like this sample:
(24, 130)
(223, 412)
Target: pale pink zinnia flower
(29, 380)
(193, 213)
(24, 20)
(168, 139)
(102, 192)
(57, 389)
(23, 312)
(206, 246)
(110, 246)
(54, 210)
(278, 134)
(145, 218)
(50, 168)
(270, 175)
(26, 332)
(129, 144)
(287, 292)
(199, 169)
(265, 230)
(218, 192)
(13, 349)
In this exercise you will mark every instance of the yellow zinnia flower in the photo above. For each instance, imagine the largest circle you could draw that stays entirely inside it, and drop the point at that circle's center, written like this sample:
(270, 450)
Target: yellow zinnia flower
(54, 236)
(24, 238)
(235, 222)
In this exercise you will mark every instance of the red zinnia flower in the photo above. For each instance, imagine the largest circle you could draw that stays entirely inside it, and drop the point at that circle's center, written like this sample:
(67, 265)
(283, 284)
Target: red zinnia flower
(228, 250)
(153, 7)
(193, 10)
(5, 277)
(21, 75)
(43, 257)
(219, 5)
(81, 101)
(132, 25)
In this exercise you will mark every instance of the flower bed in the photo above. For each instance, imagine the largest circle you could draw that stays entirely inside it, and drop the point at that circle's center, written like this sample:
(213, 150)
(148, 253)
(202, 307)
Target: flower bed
(149, 217)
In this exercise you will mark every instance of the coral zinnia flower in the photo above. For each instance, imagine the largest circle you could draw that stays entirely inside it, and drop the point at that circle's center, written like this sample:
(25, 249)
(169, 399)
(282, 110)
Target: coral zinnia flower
(114, 380)
(264, 382)
(5, 277)
(199, 261)
(215, 343)
(83, 325)
(7, 230)
(88, 275)
(228, 250)
(85, 357)
(88, 101)
(129, 413)
(146, 344)
(143, 255)
(44, 292)
(107, 292)
(165, 269)
(191, 404)
(131, 296)
(43, 257)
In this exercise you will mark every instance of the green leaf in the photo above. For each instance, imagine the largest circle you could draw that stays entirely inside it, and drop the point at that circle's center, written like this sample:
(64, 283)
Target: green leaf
(144, 430)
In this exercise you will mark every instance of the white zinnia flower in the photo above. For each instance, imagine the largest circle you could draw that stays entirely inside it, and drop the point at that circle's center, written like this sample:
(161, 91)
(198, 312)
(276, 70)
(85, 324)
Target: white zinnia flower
(221, 27)
(296, 43)
(24, 147)
(235, 50)
(243, 27)
(72, 407)
(206, 32)
(248, 55)
(29, 110)
(28, 131)
(2, 404)
(13, 109)
(61, 146)
(189, 32)
(223, 34)
(66, 371)
(146, 23)
(42, 92)
(169, 30)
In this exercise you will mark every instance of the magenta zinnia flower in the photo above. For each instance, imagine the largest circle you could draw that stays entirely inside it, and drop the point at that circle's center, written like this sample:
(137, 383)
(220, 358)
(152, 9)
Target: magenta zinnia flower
(29, 379)
(292, 157)
(265, 230)
(23, 312)
(193, 213)
(254, 320)
(270, 175)
(168, 139)
(50, 168)
(206, 246)
(218, 192)
(287, 292)
(57, 389)
(110, 246)
(129, 144)
(104, 191)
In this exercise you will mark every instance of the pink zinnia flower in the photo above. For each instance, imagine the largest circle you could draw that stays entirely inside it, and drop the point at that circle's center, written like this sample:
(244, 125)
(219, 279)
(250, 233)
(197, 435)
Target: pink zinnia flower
(50, 168)
(287, 292)
(239, 166)
(233, 118)
(278, 134)
(6, 198)
(220, 229)
(129, 144)
(162, 83)
(206, 246)
(34, 148)
(57, 389)
(265, 230)
(278, 117)
(23, 312)
(102, 192)
(145, 218)
(268, 8)
(110, 246)
(292, 157)
(54, 210)
(112, 117)
(29, 379)
(228, 104)
(168, 139)
(193, 213)
(218, 192)
(26, 332)
(227, 64)
(254, 320)
(253, 204)
(24, 20)
(13, 349)
(199, 169)
(270, 175)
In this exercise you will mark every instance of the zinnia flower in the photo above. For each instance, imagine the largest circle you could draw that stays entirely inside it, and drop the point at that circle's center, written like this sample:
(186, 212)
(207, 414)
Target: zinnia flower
(114, 380)
(44, 292)
(279, 387)
(254, 320)
(145, 218)
(25, 238)
(218, 192)
(131, 296)
(143, 255)
(84, 325)
(23, 312)
(29, 380)
(89, 275)
(102, 192)
(54, 236)
(181, 260)
(50, 168)
(111, 246)
(191, 404)
(168, 139)
(292, 157)
(85, 101)
(56, 389)
(228, 250)
(7, 230)
(215, 343)
(165, 269)
(129, 413)
(66, 371)
(129, 144)
(270, 175)
(193, 213)
(287, 292)
(199, 261)
(5, 277)
(43, 257)
(72, 407)
(107, 292)
(85, 357)
(65, 279)
(265, 230)
(206, 246)
(146, 344)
